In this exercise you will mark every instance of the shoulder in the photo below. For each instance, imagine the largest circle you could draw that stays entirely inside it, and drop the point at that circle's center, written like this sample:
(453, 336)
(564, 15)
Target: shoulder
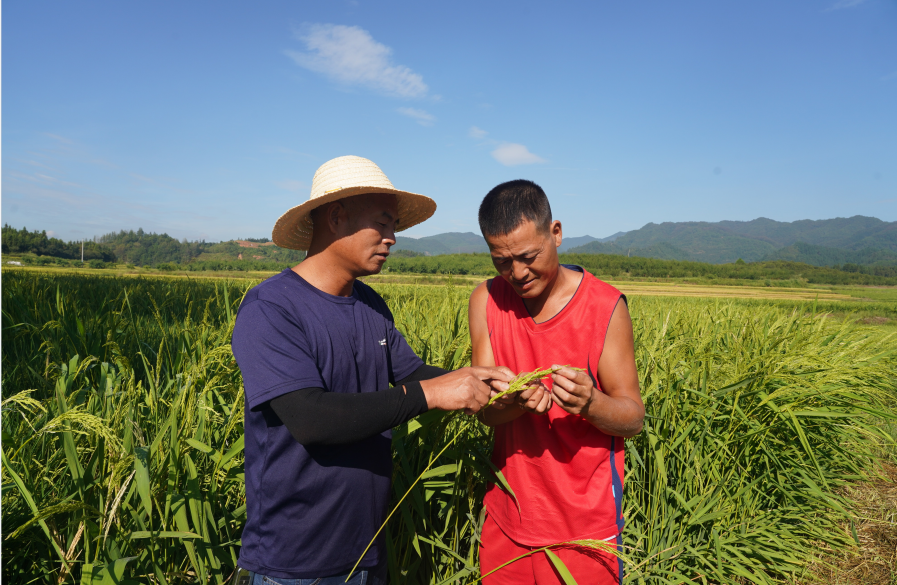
(278, 299)
(600, 288)
(481, 291)
(272, 289)
(273, 292)
(372, 299)
(478, 300)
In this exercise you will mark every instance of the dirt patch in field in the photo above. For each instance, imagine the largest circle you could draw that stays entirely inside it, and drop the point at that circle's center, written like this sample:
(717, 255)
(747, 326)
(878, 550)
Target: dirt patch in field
(874, 561)
(873, 320)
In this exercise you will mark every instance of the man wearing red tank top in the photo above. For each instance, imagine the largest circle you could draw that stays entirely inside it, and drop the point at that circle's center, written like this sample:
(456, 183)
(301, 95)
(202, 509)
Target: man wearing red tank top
(559, 443)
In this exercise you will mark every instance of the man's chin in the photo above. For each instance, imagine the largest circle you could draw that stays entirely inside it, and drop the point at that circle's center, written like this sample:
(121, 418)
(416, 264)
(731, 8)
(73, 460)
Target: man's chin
(373, 268)
(529, 293)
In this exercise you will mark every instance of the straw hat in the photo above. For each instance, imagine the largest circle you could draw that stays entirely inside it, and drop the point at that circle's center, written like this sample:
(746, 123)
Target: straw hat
(344, 177)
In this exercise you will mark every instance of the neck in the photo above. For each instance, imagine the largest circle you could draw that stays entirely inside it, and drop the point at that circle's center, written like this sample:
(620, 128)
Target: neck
(325, 272)
(554, 297)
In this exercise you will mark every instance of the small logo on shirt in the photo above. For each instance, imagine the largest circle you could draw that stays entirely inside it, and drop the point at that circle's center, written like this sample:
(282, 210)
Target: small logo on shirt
(382, 342)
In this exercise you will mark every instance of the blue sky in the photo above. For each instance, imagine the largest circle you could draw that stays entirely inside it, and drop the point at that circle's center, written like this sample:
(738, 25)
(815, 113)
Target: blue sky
(207, 120)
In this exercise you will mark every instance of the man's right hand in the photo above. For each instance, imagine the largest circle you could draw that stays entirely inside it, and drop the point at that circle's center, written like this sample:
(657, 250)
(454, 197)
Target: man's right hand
(535, 398)
(467, 389)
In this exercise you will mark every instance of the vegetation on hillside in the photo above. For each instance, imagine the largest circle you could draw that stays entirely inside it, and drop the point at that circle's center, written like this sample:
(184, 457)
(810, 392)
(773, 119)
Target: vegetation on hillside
(123, 460)
(849, 233)
(660, 251)
(615, 267)
(796, 264)
(21, 241)
(824, 256)
(447, 243)
(726, 241)
(142, 248)
(697, 241)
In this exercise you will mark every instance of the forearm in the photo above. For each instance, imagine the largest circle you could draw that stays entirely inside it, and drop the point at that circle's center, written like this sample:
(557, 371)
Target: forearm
(425, 372)
(618, 416)
(315, 416)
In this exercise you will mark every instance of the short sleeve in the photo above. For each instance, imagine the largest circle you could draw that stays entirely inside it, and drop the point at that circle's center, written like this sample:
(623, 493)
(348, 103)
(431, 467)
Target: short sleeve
(404, 360)
(272, 352)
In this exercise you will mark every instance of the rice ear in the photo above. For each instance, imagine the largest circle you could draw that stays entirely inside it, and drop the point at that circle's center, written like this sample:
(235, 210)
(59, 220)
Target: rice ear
(524, 379)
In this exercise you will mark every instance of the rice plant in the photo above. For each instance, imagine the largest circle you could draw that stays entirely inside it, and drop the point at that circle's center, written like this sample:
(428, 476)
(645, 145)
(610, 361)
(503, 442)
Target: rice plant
(122, 436)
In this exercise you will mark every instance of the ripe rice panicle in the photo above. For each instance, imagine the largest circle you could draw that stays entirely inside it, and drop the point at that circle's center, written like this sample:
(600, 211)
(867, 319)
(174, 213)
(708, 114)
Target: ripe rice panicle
(524, 379)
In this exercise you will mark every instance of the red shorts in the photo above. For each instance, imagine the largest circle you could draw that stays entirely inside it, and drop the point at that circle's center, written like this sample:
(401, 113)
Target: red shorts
(588, 566)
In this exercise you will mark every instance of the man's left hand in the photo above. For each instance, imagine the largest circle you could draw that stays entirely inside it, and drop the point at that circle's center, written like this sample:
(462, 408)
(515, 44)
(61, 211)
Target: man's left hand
(572, 390)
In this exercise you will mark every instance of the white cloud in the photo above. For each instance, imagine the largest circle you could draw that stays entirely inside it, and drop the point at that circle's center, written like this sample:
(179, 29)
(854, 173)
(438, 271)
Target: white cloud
(477, 133)
(62, 139)
(290, 185)
(844, 4)
(511, 154)
(349, 55)
(421, 117)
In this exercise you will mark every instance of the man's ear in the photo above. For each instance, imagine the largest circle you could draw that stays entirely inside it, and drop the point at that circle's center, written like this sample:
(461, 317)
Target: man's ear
(336, 215)
(556, 233)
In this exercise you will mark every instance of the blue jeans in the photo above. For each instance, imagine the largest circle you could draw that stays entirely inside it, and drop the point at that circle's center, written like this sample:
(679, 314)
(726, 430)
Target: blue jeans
(359, 577)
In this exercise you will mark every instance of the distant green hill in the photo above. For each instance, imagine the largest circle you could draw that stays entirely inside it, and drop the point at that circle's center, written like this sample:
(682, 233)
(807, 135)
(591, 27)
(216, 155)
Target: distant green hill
(148, 249)
(447, 243)
(727, 241)
(660, 250)
(21, 241)
(575, 242)
(858, 240)
(471, 243)
(700, 241)
(824, 256)
(848, 233)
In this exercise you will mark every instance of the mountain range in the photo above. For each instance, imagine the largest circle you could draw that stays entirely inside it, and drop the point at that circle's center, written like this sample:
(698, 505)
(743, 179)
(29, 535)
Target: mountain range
(858, 240)
(854, 240)
(471, 243)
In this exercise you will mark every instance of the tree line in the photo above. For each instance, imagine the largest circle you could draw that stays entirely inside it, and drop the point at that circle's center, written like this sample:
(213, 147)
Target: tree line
(167, 253)
(147, 249)
(612, 266)
(142, 248)
(15, 241)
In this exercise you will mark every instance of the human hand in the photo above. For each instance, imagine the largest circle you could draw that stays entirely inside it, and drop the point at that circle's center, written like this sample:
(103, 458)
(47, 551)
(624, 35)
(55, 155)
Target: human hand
(499, 386)
(534, 398)
(573, 390)
(467, 389)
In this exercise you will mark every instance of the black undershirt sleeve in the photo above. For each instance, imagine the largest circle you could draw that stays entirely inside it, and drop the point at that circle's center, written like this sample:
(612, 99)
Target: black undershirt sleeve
(315, 416)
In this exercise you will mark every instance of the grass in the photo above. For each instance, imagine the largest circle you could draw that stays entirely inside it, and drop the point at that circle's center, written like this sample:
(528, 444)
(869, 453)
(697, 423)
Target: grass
(122, 435)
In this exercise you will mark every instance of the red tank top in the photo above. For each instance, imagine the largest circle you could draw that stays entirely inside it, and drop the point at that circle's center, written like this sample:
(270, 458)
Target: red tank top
(566, 474)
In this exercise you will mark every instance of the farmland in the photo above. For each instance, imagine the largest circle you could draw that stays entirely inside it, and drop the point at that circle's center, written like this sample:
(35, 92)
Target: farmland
(122, 430)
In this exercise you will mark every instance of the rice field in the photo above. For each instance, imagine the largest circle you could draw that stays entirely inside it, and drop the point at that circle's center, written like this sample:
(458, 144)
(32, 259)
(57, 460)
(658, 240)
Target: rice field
(122, 435)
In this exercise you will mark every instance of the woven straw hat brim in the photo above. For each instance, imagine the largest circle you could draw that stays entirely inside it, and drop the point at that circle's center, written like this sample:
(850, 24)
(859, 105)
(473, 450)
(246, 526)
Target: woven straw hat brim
(294, 228)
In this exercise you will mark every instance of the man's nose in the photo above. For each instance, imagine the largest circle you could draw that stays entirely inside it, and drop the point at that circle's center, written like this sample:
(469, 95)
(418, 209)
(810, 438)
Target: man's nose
(389, 236)
(519, 271)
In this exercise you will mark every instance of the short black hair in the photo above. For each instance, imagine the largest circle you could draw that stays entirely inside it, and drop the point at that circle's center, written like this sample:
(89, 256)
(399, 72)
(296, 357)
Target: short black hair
(506, 206)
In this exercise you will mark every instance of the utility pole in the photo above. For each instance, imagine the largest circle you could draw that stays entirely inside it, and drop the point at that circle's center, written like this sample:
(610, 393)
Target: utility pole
(82, 251)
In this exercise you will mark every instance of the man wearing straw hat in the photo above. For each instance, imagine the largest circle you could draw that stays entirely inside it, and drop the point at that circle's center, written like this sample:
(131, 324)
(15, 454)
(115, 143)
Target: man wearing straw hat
(326, 376)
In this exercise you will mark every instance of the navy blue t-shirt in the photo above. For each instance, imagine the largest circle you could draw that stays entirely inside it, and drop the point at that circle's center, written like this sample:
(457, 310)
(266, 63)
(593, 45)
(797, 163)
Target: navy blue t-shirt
(311, 511)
